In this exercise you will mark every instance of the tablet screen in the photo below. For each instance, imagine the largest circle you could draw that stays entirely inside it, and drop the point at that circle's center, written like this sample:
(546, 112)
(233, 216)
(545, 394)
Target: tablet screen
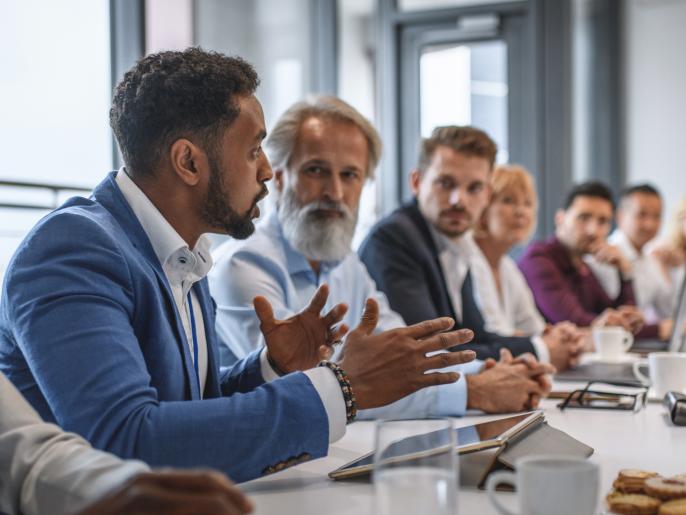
(468, 438)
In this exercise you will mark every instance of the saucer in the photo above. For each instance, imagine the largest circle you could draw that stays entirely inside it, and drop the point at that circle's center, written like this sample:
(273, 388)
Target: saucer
(624, 358)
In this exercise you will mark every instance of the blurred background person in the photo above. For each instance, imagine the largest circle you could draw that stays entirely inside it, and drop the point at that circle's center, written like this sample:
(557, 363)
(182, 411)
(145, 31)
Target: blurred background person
(565, 287)
(671, 252)
(639, 217)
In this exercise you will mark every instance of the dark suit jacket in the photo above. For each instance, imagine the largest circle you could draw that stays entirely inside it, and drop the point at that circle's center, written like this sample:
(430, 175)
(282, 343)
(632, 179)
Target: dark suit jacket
(402, 258)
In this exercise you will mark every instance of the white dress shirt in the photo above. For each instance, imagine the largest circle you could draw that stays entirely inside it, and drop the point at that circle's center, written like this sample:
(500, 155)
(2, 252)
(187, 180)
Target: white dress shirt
(512, 313)
(183, 267)
(654, 293)
(44, 470)
(455, 256)
(266, 264)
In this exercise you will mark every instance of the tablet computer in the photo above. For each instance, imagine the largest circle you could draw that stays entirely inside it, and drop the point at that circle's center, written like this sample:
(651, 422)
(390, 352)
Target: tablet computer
(485, 435)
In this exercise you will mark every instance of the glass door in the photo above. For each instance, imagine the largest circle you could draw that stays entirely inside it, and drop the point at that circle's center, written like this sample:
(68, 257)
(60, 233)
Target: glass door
(460, 73)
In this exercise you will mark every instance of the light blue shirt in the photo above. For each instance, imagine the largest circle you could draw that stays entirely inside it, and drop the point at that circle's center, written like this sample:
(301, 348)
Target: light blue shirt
(266, 264)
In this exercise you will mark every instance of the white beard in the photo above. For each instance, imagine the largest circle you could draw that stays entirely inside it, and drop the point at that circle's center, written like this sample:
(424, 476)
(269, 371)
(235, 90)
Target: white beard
(318, 239)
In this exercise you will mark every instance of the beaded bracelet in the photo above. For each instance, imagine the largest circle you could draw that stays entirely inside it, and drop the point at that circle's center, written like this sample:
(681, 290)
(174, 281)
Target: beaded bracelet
(344, 383)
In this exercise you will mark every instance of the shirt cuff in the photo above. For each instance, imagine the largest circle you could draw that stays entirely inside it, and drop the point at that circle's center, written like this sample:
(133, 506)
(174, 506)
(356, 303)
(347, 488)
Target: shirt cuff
(324, 381)
(451, 399)
(268, 373)
(541, 349)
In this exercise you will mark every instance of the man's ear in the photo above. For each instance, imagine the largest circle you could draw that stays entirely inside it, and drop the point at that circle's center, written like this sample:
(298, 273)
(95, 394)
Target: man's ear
(415, 181)
(278, 179)
(188, 161)
(559, 217)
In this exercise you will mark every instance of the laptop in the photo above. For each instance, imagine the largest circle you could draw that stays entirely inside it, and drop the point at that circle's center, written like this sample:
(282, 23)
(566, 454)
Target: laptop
(602, 371)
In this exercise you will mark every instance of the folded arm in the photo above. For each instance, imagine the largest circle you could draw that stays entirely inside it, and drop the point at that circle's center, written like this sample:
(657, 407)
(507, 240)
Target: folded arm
(44, 469)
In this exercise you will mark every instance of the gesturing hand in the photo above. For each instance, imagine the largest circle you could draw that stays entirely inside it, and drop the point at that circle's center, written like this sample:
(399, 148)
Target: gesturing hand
(302, 341)
(385, 367)
(174, 493)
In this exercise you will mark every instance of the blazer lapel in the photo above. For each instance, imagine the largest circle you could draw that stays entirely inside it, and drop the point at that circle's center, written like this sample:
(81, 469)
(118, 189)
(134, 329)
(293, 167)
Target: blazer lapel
(439, 284)
(110, 196)
(212, 386)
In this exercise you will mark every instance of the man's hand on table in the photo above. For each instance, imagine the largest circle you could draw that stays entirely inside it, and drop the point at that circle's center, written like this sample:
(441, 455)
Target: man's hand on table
(174, 493)
(385, 367)
(303, 340)
(509, 385)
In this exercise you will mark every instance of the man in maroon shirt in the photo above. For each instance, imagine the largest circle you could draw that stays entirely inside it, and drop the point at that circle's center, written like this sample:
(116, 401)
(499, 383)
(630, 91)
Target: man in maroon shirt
(563, 285)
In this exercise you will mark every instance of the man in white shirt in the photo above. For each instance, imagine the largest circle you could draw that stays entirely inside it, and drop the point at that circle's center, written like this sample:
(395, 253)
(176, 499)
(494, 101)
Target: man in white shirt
(44, 470)
(639, 216)
(323, 152)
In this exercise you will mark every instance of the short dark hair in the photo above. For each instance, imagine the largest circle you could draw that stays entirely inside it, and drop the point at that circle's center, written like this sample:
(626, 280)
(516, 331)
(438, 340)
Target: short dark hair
(645, 188)
(464, 139)
(589, 189)
(175, 94)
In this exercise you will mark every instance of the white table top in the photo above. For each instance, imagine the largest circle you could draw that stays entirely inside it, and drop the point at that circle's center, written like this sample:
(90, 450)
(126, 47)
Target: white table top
(645, 440)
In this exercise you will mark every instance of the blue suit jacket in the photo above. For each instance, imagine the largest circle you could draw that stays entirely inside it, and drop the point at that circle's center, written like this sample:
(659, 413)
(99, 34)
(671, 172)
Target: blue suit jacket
(401, 256)
(90, 335)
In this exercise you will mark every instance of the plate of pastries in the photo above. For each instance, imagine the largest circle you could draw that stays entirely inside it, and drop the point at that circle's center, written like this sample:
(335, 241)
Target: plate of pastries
(639, 492)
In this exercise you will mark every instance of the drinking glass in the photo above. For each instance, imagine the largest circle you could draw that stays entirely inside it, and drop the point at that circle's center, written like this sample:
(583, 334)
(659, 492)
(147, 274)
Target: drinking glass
(415, 467)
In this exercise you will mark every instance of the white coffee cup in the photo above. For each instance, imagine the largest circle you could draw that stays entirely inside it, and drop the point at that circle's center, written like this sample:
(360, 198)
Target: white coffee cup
(563, 485)
(612, 343)
(667, 372)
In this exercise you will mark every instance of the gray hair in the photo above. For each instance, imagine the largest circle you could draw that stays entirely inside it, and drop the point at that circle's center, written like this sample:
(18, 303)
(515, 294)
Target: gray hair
(281, 140)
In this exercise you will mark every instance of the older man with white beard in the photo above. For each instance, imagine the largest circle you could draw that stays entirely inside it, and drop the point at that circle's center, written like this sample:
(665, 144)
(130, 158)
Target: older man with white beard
(323, 151)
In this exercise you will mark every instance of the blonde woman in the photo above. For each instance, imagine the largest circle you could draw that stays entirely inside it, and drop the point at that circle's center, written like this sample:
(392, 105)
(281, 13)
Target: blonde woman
(501, 291)
(671, 253)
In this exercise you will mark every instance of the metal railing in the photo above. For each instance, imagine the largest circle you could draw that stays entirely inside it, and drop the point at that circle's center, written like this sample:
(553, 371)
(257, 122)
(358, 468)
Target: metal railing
(55, 189)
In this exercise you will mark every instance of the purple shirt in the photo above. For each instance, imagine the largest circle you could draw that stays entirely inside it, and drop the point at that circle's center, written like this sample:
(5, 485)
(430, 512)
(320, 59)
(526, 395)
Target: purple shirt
(563, 291)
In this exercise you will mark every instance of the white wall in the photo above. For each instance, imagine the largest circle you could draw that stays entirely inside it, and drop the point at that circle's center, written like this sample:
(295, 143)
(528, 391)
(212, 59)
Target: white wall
(655, 78)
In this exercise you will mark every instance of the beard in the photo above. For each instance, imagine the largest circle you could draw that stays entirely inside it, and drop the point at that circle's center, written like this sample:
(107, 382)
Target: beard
(218, 214)
(316, 237)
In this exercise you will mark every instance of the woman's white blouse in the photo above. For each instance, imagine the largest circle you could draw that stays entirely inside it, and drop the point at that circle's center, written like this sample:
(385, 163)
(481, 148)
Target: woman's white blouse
(515, 312)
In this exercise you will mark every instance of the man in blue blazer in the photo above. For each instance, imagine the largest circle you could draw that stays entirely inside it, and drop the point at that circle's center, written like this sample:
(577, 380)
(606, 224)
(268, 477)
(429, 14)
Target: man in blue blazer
(107, 325)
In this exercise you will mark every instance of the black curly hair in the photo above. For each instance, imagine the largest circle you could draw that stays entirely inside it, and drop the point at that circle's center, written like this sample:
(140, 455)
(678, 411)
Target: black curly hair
(172, 95)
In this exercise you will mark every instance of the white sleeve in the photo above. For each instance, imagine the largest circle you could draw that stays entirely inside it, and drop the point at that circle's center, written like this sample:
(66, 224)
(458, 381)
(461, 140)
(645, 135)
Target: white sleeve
(234, 282)
(326, 384)
(45, 470)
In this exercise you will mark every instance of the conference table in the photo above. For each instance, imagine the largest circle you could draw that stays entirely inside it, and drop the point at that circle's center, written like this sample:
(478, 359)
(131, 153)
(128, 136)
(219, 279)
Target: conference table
(621, 439)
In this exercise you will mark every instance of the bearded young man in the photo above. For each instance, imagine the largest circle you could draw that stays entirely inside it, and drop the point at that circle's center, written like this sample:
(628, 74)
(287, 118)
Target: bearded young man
(106, 321)
(323, 151)
(420, 254)
(564, 285)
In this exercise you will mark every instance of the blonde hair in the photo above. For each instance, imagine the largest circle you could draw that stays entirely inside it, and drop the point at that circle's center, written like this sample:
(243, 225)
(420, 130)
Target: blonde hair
(281, 140)
(675, 232)
(505, 179)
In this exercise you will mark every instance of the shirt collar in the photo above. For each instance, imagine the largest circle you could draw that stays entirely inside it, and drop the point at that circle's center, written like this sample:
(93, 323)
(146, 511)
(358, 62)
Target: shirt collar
(461, 246)
(168, 245)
